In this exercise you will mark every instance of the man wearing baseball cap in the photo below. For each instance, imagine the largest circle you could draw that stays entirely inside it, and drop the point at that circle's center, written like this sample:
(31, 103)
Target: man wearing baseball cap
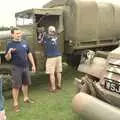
(54, 58)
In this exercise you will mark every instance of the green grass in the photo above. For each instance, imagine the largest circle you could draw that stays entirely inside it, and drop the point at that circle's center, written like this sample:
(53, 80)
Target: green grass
(47, 106)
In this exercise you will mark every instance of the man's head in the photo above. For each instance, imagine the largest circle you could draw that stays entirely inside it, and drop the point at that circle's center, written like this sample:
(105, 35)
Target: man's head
(51, 30)
(41, 29)
(16, 33)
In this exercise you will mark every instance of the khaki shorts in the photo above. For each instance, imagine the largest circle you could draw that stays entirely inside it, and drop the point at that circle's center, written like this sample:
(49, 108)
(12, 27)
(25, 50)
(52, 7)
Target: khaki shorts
(54, 64)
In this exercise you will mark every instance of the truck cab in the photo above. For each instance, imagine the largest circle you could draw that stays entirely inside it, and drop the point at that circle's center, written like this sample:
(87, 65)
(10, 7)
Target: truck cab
(30, 21)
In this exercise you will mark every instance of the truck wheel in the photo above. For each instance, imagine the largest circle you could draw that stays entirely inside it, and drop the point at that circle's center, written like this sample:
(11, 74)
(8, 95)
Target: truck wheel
(73, 60)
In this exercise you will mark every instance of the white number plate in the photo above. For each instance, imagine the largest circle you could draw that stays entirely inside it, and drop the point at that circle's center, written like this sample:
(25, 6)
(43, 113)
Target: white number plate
(112, 85)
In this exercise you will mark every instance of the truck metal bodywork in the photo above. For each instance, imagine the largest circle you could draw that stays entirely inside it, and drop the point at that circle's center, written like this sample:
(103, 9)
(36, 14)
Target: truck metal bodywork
(80, 24)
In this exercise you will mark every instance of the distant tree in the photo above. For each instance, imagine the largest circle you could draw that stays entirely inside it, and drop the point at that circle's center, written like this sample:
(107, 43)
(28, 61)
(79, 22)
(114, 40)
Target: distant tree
(3, 28)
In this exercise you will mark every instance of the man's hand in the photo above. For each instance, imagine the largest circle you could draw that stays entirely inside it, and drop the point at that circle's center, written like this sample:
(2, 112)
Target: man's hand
(11, 50)
(33, 69)
(8, 56)
(2, 115)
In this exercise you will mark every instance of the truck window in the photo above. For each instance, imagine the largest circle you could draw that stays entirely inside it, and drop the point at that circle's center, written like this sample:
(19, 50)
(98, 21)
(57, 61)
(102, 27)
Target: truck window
(24, 20)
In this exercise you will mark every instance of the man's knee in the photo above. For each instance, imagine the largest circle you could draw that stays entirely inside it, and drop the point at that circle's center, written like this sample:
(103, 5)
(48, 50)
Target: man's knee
(52, 76)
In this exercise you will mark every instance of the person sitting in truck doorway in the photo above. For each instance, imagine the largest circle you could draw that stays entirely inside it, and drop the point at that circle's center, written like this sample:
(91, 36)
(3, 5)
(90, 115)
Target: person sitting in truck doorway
(54, 58)
(40, 33)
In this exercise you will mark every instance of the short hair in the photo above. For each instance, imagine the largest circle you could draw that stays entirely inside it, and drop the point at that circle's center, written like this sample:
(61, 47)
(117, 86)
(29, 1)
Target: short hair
(13, 29)
(41, 29)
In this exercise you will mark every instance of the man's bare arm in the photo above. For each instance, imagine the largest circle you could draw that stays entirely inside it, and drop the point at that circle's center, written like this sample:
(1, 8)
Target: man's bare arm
(30, 56)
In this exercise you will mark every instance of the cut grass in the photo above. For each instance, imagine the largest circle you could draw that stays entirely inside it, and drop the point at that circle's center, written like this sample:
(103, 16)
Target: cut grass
(47, 106)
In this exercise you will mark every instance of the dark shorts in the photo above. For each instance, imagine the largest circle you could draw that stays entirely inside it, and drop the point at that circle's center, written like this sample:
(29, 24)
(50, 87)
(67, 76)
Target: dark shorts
(20, 76)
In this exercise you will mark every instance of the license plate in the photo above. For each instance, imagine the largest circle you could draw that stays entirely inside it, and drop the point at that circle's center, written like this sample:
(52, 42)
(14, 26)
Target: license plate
(112, 85)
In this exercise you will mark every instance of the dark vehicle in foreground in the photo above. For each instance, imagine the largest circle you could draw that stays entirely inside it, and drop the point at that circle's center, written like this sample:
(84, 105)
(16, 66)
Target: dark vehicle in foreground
(101, 79)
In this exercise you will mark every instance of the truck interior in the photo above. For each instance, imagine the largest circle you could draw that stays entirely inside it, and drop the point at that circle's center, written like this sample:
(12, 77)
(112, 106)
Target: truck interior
(47, 20)
(44, 21)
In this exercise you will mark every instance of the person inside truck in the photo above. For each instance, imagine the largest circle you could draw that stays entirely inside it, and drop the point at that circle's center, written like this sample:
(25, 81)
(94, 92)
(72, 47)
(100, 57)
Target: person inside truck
(18, 52)
(41, 33)
(54, 58)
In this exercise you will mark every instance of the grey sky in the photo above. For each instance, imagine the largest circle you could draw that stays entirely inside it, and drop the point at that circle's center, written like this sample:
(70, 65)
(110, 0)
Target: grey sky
(8, 8)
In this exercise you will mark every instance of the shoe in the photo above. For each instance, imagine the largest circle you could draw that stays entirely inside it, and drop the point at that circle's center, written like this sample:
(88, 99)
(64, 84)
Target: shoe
(58, 87)
(16, 108)
(28, 101)
(52, 90)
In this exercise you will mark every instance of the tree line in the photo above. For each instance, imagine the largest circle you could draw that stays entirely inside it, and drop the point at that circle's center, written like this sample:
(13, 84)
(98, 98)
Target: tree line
(2, 28)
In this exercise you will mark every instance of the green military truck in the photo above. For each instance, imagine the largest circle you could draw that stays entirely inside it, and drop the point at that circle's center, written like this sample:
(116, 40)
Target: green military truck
(81, 25)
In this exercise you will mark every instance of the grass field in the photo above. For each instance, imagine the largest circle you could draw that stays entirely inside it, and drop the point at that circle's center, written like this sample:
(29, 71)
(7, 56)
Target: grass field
(47, 106)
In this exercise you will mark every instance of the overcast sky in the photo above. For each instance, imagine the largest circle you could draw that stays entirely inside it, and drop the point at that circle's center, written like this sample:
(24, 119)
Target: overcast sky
(8, 8)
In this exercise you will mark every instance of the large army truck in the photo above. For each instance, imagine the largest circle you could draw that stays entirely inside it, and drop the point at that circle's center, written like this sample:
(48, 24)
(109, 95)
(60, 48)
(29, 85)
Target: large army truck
(80, 24)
